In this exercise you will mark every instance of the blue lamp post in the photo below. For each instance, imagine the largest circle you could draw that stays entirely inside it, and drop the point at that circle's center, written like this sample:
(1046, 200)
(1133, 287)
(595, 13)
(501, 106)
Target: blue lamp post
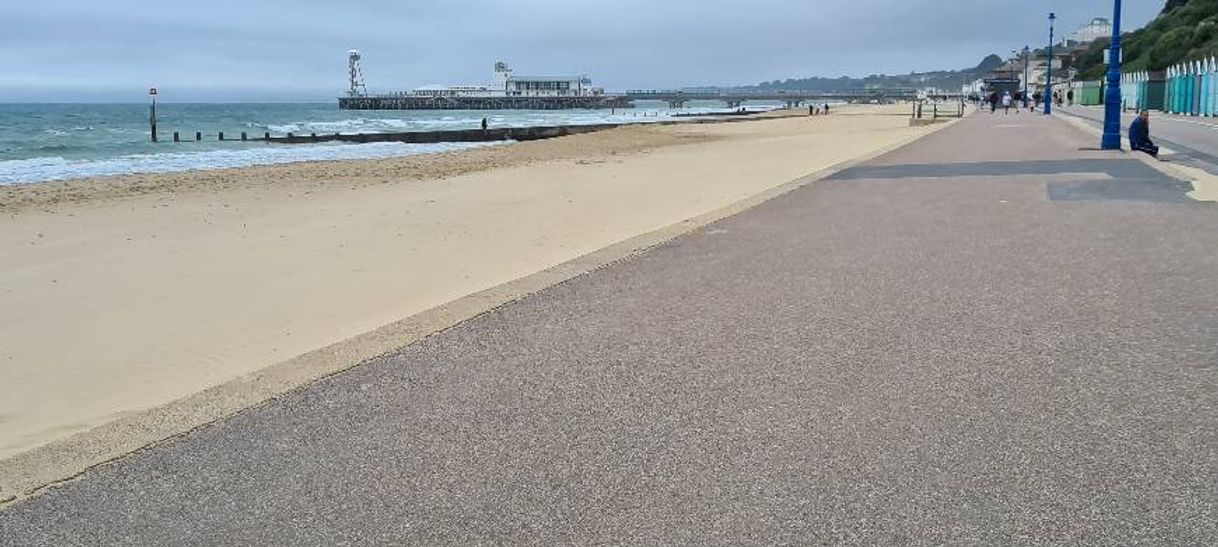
(1112, 95)
(1049, 72)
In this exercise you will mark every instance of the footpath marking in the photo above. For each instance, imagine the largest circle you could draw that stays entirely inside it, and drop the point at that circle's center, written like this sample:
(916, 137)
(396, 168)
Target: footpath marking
(1204, 184)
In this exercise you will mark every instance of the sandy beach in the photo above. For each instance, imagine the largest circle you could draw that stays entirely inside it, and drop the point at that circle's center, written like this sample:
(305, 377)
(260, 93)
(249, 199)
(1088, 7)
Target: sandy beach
(126, 293)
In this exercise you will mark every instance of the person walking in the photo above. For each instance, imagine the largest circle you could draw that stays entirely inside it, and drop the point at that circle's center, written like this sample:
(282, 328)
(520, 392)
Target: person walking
(993, 100)
(1139, 135)
(485, 124)
(1006, 102)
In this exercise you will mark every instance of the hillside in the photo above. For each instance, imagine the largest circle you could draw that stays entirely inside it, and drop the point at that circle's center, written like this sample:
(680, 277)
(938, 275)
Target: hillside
(1186, 30)
(943, 79)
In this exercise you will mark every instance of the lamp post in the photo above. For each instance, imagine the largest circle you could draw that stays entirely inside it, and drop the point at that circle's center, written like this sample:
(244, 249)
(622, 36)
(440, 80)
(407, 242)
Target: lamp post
(1013, 64)
(1049, 71)
(1026, 53)
(1112, 96)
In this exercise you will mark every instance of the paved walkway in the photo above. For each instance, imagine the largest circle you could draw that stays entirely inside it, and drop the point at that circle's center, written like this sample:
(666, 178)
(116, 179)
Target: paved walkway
(989, 337)
(1194, 139)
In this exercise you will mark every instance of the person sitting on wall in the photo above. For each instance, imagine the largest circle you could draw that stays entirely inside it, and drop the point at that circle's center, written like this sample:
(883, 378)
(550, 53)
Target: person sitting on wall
(1139, 135)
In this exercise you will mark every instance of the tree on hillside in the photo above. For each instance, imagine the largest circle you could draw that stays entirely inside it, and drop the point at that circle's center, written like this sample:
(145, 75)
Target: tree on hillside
(1186, 30)
(1168, 50)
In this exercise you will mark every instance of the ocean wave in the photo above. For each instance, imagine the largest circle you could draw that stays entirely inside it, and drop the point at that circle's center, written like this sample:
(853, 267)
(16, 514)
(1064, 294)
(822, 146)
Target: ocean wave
(55, 148)
(286, 128)
(57, 168)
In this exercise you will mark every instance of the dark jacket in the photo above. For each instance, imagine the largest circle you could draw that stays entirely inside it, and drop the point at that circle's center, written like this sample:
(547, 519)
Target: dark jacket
(1139, 134)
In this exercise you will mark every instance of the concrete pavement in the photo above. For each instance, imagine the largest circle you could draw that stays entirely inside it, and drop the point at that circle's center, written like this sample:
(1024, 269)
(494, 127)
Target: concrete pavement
(987, 337)
(1194, 139)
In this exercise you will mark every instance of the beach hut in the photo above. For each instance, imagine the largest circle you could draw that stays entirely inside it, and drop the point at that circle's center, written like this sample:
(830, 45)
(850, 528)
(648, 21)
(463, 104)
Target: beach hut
(1089, 93)
(1125, 89)
(1213, 86)
(1141, 89)
(1194, 89)
(1169, 105)
(1156, 91)
(1211, 95)
(1182, 91)
(1130, 98)
(1181, 87)
(1194, 92)
(1203, 87)
(1207, 79)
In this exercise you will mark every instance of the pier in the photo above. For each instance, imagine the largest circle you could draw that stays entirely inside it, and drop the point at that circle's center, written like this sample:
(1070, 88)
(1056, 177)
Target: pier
(398, 101)
(628, 99)
(792, 99)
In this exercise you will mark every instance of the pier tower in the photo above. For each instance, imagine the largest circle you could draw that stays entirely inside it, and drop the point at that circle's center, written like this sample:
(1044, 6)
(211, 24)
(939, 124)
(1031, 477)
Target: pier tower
(357, 74)
(502, 75)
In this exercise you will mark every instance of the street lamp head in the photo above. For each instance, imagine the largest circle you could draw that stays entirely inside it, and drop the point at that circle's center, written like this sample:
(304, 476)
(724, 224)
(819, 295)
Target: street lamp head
(1052, 16)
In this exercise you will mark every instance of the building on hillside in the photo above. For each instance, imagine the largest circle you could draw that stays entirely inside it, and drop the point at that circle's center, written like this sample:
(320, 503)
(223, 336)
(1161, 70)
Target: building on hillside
(1097, 28)
(1038, 72)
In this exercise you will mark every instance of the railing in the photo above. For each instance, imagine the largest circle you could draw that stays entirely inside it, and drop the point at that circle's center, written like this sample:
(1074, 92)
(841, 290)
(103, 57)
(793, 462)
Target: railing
(935, 110)
(776, 93)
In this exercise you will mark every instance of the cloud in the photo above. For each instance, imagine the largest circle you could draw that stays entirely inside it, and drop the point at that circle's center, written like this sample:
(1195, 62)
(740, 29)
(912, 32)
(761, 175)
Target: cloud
(297, 48)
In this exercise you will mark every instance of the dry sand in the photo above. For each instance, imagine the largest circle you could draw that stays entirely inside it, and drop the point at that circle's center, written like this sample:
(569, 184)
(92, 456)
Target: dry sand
(126, 293)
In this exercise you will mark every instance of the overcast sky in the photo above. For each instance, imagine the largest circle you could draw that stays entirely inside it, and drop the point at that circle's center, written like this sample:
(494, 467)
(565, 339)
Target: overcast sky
(111, 50)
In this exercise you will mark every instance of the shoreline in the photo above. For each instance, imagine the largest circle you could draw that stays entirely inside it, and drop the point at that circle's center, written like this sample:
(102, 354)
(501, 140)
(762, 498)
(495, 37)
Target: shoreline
(241, 274)
(304, 147)
(15, 197)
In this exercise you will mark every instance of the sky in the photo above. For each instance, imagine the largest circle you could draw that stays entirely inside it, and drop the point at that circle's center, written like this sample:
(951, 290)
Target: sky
(269, 50)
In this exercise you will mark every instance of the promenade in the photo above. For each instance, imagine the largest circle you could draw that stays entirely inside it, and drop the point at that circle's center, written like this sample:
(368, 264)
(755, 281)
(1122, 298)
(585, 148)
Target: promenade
(1194, 140)
(990, 336)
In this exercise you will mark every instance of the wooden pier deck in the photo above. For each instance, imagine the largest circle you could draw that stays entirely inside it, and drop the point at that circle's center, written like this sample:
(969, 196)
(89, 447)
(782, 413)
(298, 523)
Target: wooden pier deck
(415, 102)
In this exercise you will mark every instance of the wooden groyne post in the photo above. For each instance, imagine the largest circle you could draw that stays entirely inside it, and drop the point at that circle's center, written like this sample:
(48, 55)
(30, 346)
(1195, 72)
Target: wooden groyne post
(152, 111)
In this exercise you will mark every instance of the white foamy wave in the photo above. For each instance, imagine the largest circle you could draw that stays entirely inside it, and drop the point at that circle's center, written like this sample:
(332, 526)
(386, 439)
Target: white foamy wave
(56, 168)
(286, 128)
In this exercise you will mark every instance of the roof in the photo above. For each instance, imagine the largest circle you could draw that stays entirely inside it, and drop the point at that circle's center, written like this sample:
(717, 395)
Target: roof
(545, 78)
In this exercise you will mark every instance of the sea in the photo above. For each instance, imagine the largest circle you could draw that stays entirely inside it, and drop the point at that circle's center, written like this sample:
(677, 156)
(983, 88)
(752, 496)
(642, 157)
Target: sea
(45, 142)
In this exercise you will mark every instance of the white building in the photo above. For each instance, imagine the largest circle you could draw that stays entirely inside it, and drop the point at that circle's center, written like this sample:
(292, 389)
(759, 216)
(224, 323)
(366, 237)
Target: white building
(507, 84)
(1099, 27)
